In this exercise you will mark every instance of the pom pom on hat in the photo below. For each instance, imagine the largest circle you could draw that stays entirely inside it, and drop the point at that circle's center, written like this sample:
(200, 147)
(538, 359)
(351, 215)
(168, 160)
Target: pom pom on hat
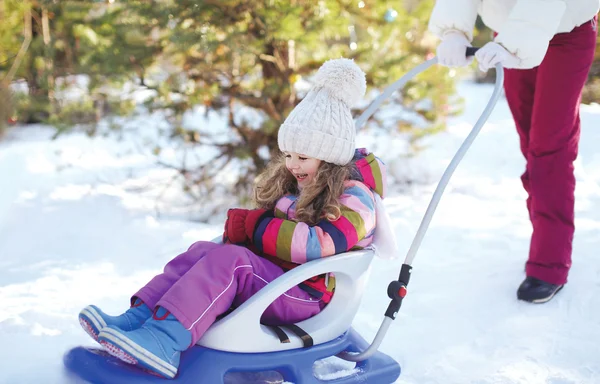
(343, 79)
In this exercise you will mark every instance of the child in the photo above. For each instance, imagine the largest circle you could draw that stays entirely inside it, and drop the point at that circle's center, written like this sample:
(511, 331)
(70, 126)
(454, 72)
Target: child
(317, 200)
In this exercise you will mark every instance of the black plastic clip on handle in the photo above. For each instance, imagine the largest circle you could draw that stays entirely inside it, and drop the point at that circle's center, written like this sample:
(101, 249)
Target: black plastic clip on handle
(471, 51)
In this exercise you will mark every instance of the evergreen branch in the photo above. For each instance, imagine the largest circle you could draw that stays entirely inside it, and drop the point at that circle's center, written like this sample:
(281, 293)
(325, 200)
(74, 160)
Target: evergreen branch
(259, 22)
(181, 170)
(264, 104)
(232, 123)
(8, 59)
(157, 89)
(275, 60)
(272, 111)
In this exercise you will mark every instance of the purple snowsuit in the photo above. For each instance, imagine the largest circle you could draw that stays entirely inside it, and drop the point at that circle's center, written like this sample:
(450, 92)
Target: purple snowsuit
(203, 282)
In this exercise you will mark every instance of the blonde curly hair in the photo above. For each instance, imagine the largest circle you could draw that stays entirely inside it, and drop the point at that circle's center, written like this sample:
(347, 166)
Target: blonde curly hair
(318, 200)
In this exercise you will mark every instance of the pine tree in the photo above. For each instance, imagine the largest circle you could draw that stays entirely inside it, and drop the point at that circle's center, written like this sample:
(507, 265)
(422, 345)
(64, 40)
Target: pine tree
(230, 53)
(232, 56)
(39, 41)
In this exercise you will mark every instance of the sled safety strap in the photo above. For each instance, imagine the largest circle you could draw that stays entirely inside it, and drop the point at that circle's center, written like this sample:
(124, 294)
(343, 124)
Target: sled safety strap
(307, 340)
(283, 337)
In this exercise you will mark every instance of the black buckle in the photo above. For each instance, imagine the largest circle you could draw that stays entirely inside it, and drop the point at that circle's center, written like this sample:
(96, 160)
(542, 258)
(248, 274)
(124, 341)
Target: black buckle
(397, 291)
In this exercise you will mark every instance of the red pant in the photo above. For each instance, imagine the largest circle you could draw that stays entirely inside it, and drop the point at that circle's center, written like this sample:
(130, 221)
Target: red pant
(544, 102)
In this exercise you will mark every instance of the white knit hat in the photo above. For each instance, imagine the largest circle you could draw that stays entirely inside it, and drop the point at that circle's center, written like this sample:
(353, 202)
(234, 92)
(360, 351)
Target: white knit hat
(321, 125)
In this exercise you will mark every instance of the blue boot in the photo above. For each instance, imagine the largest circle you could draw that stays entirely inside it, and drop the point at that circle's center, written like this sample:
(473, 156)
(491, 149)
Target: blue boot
(156, 346)
(93, 320)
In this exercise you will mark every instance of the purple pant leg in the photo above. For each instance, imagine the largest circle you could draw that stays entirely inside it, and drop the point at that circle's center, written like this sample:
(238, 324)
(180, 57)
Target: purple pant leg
(160, 284)
(229, 275)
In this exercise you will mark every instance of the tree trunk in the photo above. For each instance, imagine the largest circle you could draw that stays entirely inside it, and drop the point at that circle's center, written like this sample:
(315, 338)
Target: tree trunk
(48, 56)
(38, 92)
(27, 33)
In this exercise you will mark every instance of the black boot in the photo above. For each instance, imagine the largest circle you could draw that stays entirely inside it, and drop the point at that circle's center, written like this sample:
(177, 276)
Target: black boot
(537, 291)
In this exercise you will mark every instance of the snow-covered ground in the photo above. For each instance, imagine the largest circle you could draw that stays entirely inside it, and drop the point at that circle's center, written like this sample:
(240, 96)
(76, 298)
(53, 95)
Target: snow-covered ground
(77, 228)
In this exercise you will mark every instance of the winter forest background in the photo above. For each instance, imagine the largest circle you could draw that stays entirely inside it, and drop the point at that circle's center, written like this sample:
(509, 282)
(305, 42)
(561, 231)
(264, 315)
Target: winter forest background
(93, 65)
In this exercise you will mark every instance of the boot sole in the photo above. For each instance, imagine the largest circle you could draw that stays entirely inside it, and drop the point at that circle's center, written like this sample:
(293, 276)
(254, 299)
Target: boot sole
(118, 353)
(91, 322)
(123, 348)
(88, 328)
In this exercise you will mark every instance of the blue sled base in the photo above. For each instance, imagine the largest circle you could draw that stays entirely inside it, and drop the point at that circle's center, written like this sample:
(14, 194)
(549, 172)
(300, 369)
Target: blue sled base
(203, 365)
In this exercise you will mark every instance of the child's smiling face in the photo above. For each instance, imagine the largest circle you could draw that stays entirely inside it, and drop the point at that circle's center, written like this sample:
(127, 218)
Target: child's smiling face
(303, 168)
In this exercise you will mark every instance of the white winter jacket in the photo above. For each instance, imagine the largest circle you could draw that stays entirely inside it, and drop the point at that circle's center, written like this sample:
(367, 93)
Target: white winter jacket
(524, 27)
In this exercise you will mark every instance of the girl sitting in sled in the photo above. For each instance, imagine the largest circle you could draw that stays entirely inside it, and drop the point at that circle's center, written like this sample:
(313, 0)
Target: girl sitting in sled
(317, 200)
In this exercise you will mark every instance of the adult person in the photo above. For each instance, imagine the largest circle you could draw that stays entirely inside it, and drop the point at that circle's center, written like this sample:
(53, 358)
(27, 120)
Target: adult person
(547, 48)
